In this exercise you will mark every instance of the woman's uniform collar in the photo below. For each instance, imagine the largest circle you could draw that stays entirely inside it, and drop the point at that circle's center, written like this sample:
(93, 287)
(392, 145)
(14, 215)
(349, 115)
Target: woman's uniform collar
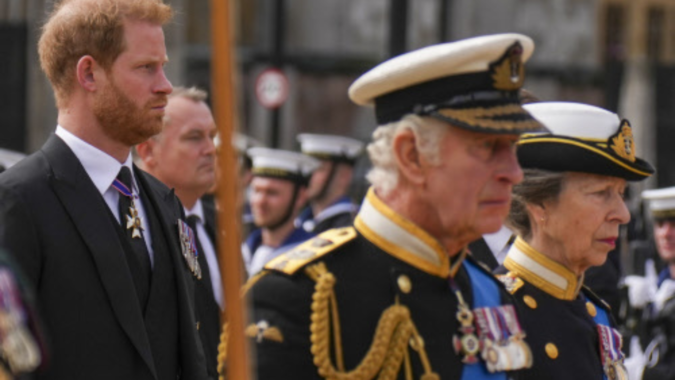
(542, 272)
(403, 239)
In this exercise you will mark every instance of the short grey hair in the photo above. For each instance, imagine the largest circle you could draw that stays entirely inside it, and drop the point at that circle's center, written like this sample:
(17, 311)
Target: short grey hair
(538, 186)
(428, 135)
(192, 93)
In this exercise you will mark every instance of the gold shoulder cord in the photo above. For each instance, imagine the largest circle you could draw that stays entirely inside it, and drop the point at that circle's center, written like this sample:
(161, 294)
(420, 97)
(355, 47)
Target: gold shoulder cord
(222, 351)
(394, 332)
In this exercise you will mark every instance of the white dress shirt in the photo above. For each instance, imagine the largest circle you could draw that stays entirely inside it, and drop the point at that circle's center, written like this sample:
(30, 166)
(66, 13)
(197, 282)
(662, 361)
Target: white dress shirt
(102, 170)
(498, 243)
(209, 251)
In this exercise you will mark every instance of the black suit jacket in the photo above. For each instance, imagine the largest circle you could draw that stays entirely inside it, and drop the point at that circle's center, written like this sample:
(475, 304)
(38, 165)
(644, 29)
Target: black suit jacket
(57, 225)
(208, 310)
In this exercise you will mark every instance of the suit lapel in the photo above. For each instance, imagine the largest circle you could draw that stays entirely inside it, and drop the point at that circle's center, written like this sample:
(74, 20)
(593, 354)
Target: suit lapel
(89, 212)
(168, 211)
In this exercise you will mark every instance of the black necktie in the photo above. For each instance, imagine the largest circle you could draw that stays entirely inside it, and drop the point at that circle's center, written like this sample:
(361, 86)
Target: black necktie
(201, 258)
(139, 263)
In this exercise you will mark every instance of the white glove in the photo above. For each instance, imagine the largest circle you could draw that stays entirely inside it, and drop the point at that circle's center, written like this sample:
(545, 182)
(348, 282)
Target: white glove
(635, 363)
(638, 291)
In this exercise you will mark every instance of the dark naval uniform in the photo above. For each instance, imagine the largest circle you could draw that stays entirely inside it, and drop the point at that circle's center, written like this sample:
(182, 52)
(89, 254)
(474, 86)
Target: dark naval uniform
(256, 258)
(570, 330)
(660, 334)
(339, 214)
(379, 299)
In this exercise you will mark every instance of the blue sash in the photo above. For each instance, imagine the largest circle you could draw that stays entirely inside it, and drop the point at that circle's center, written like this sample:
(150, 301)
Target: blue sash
(601, 318)
(485, 294)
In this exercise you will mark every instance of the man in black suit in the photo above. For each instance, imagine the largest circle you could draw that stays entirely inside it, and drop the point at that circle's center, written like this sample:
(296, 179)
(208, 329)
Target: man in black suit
(102, 242)
(183, 158)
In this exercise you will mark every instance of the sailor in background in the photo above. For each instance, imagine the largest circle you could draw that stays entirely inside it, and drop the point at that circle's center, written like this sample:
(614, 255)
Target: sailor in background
(242, 143)
(278, 192)
(396, 296)
(567, 212)
(656, 294)
(329, 205)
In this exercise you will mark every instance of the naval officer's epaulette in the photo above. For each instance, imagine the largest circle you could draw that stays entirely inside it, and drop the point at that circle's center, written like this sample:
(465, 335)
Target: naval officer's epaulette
(311, 250)
(511, 281)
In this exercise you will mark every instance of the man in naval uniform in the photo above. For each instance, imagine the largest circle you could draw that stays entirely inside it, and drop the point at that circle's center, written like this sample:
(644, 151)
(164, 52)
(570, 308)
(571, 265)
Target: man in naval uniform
(657, 296)
(278, 192)
(183, 157)
(396, 296)
(329, 206)
(102, 242)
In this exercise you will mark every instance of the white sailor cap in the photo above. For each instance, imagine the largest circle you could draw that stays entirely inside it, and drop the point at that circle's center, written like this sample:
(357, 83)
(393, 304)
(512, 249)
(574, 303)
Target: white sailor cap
(283, 164)
(581, 138)
(242, 142)
(472, 84)
(330, 147)
(661, 202)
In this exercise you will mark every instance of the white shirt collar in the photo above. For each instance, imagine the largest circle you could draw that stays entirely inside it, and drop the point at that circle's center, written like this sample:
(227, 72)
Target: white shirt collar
(497, 242)
(196, 210)
(100, 166)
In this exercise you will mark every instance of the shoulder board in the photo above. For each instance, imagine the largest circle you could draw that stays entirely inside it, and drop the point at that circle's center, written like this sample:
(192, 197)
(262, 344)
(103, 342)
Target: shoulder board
(307, 252)
(595, 298)
(511, 282)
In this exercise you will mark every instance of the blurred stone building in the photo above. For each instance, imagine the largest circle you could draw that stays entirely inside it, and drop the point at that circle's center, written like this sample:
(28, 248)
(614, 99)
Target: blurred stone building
(617, 54)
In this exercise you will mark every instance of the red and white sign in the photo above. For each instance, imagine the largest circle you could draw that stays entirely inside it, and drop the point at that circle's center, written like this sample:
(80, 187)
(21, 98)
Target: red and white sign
(271, 88)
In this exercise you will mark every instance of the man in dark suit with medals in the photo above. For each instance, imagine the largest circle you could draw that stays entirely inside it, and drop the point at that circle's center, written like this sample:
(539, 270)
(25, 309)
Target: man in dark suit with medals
(182, 156)
(396, 296)
(103, 244)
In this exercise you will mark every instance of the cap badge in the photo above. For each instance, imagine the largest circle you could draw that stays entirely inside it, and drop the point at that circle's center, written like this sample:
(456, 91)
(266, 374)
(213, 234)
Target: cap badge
(508, 73)
(622, 142)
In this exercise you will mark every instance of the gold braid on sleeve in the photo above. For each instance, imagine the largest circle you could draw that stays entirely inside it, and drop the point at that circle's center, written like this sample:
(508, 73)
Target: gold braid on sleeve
(395, 331)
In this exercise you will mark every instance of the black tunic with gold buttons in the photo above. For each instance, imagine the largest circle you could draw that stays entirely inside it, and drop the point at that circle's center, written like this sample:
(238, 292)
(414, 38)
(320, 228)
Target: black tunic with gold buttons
(361, 303)
(557, 313)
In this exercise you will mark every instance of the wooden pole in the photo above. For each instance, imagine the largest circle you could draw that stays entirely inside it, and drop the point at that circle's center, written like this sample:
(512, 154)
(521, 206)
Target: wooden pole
(224, 107)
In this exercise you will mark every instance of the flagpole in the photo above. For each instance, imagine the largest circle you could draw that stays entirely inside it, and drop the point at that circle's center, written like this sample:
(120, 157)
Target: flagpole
(224, 107)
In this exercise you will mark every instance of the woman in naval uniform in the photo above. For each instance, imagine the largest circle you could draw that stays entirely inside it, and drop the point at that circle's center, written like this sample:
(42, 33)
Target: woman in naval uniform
(567, 212)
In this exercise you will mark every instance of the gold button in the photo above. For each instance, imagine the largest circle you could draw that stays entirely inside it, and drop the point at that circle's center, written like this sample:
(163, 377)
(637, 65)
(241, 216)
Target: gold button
(197, 325)
(404, 283)
(591, 309)
(551, 350)
(529, 301)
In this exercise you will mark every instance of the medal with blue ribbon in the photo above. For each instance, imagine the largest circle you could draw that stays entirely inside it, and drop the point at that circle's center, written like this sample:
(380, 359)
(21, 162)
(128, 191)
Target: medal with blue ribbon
(133, 220)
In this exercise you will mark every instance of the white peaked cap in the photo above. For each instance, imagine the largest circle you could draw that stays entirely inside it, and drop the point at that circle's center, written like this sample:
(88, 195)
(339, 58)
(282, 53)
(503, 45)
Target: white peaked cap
(437, 61)
(577, 120)
(581, 138)
(661, 201)
(330, 145)
(268, 161)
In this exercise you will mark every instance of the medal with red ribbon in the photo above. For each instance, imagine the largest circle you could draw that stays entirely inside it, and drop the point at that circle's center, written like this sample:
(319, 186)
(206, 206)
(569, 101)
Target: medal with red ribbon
(502, 344)
(610, 353)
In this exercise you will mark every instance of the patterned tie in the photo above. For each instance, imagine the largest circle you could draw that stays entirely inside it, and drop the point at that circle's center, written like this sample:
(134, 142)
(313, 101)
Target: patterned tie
(139, 263)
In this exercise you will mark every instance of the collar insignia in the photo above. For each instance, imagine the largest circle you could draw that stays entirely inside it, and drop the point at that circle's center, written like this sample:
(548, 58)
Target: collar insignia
(622, 143)
(508, 73)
